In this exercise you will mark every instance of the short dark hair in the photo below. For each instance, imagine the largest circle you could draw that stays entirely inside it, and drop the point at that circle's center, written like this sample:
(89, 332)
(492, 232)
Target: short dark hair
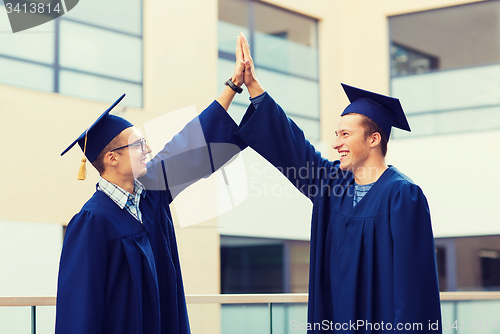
(370, 128)
(99, 161)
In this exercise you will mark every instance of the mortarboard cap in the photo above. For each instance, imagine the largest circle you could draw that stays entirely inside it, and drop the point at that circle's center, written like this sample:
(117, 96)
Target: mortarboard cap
(93, 140)
(384, 110)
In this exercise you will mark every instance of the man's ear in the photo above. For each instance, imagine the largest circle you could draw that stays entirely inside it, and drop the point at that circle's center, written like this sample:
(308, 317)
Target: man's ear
(375, 139)
(111, 159)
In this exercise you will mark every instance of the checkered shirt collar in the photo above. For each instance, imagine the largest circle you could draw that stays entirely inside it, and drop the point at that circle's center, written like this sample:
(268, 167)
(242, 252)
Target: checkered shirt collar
(119, 195)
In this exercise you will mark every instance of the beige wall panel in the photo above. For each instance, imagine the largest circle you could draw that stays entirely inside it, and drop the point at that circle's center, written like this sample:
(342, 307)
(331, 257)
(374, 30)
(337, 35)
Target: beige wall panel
(38, 127)
(204, 318)
(180, 54)
(180, 70)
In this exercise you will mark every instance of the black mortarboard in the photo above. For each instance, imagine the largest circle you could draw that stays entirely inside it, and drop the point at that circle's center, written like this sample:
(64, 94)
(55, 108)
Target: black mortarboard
(384, 110)
(93, 140)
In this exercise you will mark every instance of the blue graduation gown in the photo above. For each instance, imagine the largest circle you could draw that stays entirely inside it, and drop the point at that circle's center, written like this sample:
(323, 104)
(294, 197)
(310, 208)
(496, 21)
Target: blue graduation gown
(119, 276)
(374, 262)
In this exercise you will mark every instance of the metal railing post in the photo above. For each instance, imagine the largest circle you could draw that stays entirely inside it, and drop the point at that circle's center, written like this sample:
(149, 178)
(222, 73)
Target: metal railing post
(270, 318)
(455, 314)
(33, 319)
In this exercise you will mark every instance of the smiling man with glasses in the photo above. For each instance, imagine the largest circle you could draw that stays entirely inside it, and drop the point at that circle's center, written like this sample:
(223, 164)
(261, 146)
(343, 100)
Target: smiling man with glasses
(119, 271)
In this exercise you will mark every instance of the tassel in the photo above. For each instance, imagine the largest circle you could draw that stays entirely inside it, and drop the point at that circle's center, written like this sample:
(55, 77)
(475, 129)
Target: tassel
(82, 173)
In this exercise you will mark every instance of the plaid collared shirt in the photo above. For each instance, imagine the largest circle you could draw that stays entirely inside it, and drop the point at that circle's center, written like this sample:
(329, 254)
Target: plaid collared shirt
(123, 198)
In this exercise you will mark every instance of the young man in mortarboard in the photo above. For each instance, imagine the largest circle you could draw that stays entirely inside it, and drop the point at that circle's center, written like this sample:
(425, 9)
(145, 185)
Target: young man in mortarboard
(119, 271)
(372, 265)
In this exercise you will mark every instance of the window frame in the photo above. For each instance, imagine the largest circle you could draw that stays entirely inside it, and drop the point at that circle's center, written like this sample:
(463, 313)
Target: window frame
(57, 68)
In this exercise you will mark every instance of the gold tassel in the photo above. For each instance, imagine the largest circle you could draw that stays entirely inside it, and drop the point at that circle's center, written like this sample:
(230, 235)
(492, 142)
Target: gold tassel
(82, 173)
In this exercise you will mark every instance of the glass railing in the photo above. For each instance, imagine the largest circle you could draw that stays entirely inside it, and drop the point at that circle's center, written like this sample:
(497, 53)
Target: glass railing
(462, 312)
(470, 312)
(24, 315)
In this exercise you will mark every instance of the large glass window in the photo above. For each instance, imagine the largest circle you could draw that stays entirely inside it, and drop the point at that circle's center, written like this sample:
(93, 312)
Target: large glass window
(261, 265)
(285, 52)
(92, 52)
(252, 269)
(445, 68)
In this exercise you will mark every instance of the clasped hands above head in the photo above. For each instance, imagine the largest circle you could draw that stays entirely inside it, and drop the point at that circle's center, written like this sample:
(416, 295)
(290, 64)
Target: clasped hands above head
(244, 71)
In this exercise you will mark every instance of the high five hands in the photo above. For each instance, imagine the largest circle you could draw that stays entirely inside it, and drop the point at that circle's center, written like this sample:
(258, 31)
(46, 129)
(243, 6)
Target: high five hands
(244, 71)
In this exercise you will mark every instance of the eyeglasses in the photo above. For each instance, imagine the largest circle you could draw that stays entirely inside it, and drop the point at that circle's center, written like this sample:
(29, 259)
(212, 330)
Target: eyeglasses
(141, 142)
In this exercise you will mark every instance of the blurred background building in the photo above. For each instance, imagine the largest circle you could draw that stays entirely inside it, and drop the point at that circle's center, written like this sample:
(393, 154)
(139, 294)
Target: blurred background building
(440, 57)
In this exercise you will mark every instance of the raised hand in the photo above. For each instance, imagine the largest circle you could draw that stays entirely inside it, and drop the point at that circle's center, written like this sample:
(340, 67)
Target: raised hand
(227, 95)
(250, 79)
(239, 68)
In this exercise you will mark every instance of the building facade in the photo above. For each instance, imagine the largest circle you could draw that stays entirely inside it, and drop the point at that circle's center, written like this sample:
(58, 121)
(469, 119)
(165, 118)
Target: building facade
(440, 57)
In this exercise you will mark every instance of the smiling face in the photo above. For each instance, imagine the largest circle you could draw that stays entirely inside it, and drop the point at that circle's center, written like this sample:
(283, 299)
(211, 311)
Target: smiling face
(351, 143)
(132, 159)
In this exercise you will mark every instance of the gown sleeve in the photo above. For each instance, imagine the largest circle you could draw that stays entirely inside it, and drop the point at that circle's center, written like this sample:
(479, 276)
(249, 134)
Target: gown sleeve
(204, 145)
(416, 290)
(280, 141)
(82, 277)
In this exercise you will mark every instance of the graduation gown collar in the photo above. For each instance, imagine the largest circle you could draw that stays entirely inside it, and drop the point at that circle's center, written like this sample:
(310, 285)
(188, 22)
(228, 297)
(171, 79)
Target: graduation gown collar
(378, 185)
(108, 203)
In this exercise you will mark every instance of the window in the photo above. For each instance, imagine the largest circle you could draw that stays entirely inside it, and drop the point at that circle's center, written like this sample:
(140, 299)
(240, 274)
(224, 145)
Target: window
(93, 52)
(285, 52)
(252, 265)
(263, 265)
(445, 68)
(490, 269)
(406, 60)
(441, 267)
(456, 37)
